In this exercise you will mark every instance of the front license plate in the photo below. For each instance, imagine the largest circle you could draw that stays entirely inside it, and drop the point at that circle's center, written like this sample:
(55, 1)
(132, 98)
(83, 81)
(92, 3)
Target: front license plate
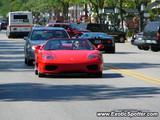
(97, 41)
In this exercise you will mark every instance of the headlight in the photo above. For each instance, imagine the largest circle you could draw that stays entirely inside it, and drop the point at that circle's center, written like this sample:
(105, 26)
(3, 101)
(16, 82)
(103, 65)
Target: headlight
(154, 42)
(48, 57)
(140, 38)
(94, 56)
(33, 48)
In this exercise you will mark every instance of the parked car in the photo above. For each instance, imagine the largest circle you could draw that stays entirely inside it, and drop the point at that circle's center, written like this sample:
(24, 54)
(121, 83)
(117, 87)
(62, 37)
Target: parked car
(68, 56)
(38, 36)
(150, 35)
(138, 40)
(118, 34)
(97, 38)
(3, 24)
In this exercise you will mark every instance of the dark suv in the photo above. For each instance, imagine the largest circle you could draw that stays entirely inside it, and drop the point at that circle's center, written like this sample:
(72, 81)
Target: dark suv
(150, 35)
(119, 35)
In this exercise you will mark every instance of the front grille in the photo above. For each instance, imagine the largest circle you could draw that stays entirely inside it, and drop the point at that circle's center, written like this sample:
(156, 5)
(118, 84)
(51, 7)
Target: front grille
(92, 67)
(51, 67)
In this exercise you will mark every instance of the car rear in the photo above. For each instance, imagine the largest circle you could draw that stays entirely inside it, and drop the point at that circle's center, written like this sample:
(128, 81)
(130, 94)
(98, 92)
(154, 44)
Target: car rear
(150, 35)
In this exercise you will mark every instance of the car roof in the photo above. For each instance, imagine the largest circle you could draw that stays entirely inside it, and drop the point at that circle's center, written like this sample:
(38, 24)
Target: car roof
(66, 23)
(67, 39)
(48, 28)
(95, 33)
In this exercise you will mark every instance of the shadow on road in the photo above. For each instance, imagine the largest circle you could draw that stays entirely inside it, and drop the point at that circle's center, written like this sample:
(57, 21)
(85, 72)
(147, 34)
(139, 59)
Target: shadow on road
(12, 56)
(131, 65)
(77, 75)
(126, 52)
(45, 92)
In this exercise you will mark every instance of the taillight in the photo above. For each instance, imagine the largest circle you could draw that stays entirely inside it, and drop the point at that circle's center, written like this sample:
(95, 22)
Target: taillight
(158, 36)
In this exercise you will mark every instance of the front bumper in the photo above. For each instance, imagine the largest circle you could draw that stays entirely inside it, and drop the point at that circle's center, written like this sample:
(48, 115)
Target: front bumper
(70, 68)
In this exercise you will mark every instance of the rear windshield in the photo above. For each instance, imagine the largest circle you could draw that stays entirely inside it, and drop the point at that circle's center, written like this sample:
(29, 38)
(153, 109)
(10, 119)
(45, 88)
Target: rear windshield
(48, 34)
(63, 26)
(22, 18)
(152, 27)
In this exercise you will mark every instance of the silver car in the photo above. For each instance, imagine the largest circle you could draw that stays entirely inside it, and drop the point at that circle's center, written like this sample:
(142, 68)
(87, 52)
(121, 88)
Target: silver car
(39, 35)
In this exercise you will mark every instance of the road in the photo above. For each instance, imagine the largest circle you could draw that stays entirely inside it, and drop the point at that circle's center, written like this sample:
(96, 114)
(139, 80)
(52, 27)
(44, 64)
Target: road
(130, 83)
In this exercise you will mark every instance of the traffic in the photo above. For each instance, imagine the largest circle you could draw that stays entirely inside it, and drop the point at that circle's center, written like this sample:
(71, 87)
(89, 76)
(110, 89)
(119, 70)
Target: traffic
(78, 60)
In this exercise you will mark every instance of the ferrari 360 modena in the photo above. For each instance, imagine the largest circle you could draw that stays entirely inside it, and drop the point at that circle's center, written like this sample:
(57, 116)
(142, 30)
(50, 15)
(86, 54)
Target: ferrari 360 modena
(58, 56)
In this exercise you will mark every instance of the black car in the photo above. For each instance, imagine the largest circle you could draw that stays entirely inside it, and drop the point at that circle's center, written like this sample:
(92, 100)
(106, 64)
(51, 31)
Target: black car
(118, 34)
(98, 38)
(39, 35)
(150, 35)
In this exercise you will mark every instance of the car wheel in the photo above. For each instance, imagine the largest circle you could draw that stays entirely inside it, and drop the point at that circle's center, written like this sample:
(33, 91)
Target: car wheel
(121, 40)
(112, 50)
(99, 75)
(155, 48)
(35, 71)
(140, 47)
(41, 75)
(146, 48)
(8, 35)
(28, 62)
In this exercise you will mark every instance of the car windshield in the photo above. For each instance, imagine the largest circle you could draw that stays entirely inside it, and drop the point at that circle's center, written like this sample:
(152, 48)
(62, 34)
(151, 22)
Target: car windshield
(94, 35)
(152, 27)
(74, 44)
(48, 34)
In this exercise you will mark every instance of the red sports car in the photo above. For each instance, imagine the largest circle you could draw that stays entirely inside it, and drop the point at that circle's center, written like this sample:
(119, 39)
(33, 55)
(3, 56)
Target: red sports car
(68, 56)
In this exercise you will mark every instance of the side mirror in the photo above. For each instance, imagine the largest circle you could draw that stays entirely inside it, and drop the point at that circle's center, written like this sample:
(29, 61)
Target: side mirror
(25, 38)
(100, 47)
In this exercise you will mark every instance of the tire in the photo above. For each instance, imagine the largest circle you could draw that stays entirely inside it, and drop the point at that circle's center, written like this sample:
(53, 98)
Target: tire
(155, 48)
(145, 48)
(8, 34)
(98, 75)
(28, 62)
(36, 72)
(40, 75)
(112, 50)
(140, 47)
(35, 69)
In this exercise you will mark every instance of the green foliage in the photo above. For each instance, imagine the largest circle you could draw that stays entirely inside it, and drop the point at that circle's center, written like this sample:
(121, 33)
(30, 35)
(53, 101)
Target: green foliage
(49, 5)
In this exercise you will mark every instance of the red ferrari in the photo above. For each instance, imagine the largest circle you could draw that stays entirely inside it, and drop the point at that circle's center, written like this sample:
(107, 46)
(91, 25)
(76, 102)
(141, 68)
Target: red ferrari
(68, 56)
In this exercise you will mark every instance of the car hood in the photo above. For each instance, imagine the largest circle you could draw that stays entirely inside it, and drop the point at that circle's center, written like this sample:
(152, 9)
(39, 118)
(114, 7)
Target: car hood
(37, 42)
(71, 56)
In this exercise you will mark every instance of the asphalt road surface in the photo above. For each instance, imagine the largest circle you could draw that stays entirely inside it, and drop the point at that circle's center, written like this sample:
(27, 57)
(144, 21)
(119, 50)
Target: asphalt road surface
(129, 89)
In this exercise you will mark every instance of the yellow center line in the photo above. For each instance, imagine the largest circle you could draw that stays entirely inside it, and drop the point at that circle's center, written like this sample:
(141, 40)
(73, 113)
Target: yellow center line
(134, 74)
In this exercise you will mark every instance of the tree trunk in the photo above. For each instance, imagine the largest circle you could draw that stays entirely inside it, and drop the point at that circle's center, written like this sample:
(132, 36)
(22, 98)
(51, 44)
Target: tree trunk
(65, 10)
